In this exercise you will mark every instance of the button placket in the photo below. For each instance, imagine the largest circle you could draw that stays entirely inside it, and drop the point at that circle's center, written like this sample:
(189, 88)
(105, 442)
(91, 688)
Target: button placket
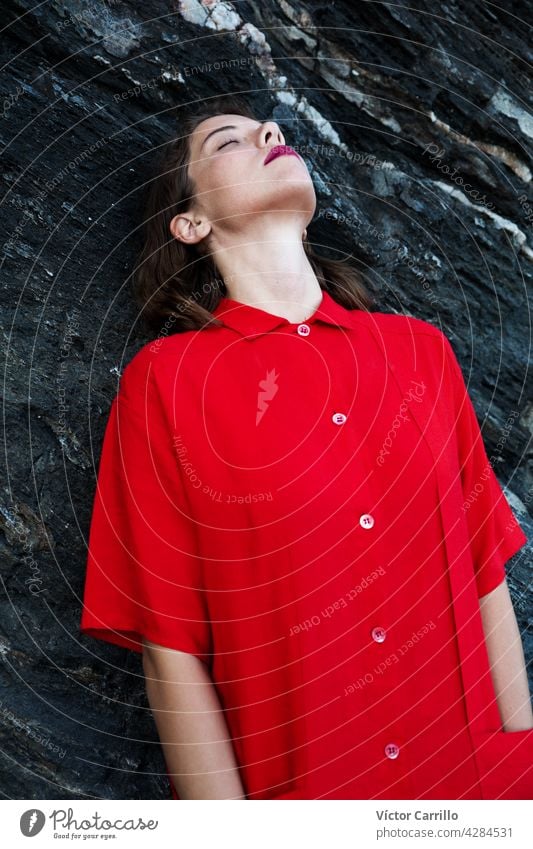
(391, 748)
(378, 633)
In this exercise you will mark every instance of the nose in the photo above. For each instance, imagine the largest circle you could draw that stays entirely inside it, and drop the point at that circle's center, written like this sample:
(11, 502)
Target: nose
(271, 134)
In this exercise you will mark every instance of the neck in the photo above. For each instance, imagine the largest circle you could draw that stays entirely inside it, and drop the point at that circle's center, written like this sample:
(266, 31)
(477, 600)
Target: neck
(270, 270)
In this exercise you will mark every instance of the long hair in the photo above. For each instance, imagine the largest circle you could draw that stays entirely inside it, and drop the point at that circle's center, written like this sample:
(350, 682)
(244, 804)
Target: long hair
(177, 286)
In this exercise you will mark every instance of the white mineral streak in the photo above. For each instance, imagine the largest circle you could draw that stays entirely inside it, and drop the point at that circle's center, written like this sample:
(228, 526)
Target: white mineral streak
(502, 102)
(510, 159)
(518, 237)
(193, 12)
(213, 15)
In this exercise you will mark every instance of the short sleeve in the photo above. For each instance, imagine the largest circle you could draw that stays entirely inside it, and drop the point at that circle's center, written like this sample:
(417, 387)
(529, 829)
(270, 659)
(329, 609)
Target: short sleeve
(143, 575)
(494, 532)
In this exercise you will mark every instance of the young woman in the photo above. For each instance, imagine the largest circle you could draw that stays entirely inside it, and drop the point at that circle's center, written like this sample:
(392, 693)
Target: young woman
(296, 521)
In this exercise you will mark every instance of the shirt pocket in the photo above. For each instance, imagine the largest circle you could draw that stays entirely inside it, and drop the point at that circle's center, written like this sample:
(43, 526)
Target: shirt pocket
(505, 762)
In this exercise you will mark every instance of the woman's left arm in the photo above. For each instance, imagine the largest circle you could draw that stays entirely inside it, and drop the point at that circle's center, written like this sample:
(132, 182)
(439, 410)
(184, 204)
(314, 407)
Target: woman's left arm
(506, 656)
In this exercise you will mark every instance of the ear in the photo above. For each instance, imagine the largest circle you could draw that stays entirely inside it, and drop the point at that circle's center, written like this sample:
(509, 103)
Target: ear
(305, 235)
(188, 228)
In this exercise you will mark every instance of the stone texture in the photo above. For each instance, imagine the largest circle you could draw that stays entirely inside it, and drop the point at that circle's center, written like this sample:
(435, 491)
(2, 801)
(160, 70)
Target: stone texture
(416, 128)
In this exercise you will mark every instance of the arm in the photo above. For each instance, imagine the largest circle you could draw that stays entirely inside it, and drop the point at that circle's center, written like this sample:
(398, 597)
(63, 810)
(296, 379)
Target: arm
(506, 656)
(191, 726)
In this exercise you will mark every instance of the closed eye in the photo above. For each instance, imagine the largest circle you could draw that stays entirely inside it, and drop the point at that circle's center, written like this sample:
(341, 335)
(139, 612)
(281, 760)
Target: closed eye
(226, 143)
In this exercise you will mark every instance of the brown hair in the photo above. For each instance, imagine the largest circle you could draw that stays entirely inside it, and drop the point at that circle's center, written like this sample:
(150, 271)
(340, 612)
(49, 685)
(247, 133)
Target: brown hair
(177, 286)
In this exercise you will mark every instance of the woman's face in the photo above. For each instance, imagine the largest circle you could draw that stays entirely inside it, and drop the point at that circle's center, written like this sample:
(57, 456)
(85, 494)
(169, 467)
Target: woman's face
(227, 165)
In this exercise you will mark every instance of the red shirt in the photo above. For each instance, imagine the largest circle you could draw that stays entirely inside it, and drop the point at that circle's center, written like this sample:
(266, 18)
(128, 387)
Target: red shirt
(268, 500)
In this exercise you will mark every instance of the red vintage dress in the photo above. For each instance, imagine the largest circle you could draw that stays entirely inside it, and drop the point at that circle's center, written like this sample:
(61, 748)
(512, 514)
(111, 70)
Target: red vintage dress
(309, 509)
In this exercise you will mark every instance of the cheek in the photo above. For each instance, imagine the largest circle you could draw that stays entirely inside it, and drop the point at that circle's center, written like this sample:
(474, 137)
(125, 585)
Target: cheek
(226, 170)
(229, 184)
(224, 174)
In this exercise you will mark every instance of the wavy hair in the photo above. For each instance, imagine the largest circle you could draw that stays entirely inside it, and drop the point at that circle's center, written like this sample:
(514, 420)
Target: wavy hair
(177, 286)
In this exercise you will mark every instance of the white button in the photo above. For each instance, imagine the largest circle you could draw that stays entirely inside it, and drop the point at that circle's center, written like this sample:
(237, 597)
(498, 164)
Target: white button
(338, 418)
(392, 750)
(304, 329)
(366, 520)
(378, 634)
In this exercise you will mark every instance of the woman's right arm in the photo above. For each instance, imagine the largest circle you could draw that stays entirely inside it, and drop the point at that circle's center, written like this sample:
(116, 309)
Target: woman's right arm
(190, 722)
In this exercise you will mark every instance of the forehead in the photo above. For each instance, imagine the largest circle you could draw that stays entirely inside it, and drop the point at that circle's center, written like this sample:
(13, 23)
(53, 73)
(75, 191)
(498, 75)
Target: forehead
(208, 124)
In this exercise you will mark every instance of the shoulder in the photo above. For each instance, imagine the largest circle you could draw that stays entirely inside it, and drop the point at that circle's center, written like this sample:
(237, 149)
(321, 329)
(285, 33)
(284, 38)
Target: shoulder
(402, 323)
(151, 361)
(411, 344)
(401, 329)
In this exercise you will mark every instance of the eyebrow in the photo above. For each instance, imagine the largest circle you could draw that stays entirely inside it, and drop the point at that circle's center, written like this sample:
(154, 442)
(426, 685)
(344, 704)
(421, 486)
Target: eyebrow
(218, 130)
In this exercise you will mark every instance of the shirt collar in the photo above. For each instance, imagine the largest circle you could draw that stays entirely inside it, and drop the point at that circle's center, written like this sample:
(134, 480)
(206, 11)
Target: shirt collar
(246, 319)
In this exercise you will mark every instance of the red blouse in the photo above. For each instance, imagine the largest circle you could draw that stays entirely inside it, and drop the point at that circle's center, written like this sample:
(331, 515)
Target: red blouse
(267, 500)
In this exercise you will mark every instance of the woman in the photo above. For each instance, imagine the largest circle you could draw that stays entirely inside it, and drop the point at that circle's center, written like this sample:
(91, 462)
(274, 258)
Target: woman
(296, 521)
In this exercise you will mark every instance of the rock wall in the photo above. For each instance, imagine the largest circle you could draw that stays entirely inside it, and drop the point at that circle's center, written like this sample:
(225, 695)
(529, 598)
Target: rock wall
(415, 126)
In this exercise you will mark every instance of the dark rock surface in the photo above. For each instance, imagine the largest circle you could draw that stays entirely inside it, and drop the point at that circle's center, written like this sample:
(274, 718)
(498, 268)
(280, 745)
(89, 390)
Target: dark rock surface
(415, 125)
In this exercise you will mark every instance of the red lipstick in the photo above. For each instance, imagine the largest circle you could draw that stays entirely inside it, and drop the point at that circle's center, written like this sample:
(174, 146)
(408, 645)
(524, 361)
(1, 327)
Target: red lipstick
(279, 150)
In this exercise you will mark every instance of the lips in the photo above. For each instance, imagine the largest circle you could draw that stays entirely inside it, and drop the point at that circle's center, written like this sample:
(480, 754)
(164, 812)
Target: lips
(279, 150)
